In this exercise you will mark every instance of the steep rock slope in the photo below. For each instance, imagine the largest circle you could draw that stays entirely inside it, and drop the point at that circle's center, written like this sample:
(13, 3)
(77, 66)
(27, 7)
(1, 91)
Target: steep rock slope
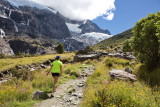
(86, 32)
(31, 28)
(37, 22)
(5, 48)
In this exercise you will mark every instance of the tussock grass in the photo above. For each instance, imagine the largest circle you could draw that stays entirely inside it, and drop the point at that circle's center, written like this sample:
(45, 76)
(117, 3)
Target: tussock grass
(18, 93)
(10, 62)
(102, 92)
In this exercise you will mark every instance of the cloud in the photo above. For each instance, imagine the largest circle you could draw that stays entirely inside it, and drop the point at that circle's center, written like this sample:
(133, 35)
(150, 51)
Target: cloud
(109, 16)
(82, 9)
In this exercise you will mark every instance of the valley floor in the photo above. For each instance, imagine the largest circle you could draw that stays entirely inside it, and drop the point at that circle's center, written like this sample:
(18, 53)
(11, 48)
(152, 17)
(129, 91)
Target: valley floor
(75, 89)
(70, 93)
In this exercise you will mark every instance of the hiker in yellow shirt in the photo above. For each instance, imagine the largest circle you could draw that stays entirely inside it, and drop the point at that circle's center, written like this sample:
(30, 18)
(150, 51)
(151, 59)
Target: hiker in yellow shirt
(56, 70)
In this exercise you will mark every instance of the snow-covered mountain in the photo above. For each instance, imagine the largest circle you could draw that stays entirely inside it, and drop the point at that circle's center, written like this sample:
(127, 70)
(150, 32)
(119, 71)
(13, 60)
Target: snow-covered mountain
(30, 3)
(87, 32)
(32, 28)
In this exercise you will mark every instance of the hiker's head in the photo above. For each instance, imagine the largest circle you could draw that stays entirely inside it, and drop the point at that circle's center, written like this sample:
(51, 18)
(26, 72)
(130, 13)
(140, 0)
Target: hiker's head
(58, 57)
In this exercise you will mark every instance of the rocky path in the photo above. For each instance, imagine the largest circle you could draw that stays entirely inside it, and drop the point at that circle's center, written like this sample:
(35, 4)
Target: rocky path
(70, 93)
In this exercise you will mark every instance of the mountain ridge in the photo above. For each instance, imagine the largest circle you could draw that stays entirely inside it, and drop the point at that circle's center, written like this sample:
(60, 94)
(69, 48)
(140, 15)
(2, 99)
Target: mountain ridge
(114, 40)
(21, 20)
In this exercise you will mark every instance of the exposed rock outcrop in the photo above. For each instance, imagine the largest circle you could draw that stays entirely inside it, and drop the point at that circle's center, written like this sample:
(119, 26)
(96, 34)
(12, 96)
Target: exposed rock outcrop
(5, 48)
(122, 75)
(34, 23)
(79, 58)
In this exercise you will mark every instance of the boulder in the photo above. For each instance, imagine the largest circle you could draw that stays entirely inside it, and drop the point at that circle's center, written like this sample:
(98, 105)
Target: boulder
(43, 66)
(5, 48)
(79, 58)
(40, 95)
(122, 75)
(1, 75)
(48, 62)
(32, 69)
(122, 55)
(128, 70)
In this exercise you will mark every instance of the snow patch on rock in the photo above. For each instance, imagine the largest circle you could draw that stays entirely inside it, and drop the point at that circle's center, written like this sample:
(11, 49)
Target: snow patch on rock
(90, 39)
(74, 27)
(2, 33)
(96, 35)
(30, 3)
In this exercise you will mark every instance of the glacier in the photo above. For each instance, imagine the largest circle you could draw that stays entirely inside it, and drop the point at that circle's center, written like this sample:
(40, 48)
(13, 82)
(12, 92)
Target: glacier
(30, 3)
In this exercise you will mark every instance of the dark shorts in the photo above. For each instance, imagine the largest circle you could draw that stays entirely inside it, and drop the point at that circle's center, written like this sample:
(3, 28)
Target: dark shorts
(55, 74)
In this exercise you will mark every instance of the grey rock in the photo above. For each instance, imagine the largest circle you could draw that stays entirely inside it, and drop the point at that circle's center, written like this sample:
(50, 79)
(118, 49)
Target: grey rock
(80, 84)
(128, 70)
(79, 95)
(1, 75)
(32, 69)
(122, 55)
(5, 48)
(78, 58)
(43, 66)
(40, 95)
(122, 75)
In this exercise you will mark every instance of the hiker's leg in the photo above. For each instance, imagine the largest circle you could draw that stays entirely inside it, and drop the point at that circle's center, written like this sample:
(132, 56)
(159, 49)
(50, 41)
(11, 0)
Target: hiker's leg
(54, 83)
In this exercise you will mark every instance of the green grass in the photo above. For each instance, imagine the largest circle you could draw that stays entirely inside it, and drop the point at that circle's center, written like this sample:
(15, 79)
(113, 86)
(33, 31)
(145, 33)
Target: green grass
(151, 78)
(18, 93)
(102, 92)
(8, 63)
(114, 41)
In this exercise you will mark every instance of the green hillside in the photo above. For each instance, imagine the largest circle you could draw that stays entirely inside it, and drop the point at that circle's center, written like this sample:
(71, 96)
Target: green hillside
(115, 40)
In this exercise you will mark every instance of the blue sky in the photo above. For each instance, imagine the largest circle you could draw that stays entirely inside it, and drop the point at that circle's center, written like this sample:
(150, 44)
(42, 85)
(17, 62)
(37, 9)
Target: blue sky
(127, 13)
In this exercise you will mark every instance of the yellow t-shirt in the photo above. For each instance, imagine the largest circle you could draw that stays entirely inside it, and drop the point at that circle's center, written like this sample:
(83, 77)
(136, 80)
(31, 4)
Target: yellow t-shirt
(56, 66)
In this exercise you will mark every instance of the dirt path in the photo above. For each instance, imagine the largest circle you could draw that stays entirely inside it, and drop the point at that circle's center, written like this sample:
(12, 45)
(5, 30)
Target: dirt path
(70, 93)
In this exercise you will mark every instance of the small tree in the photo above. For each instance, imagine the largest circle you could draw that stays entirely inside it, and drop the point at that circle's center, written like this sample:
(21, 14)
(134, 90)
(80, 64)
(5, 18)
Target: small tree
(88, 48)
(127, 46)
(146, 43)
(60, 48)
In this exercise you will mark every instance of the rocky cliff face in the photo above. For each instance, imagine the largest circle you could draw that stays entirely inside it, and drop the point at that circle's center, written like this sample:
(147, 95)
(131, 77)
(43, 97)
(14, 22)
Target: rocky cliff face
(5, 48)
(34, 23)
(85, 32)
(31, 28)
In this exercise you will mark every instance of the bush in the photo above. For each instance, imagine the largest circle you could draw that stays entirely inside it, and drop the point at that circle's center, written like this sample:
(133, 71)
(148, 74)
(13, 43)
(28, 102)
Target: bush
(67, 71)
(60, 48)
(23, 74)
(75, 74)
(87, 50)
(146, 43)
(110, 62)
(127, 47)
(150, 78)
(119, 94)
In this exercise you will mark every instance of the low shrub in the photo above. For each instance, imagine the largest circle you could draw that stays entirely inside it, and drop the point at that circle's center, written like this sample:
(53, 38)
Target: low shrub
(75, 74)
(119, 94)
(151, 78)
(22, 74)
(67, 71)
(116, 61)
(15, 92)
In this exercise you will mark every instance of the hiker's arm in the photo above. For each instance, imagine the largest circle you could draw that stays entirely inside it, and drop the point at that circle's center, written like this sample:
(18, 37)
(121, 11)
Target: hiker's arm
(49, 70)
(61, 70)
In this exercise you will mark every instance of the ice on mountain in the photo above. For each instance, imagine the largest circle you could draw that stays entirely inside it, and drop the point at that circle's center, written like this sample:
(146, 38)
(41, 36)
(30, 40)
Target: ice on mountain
(2, 33)
(30, 3)
(97, 35)
(90, 39)
(73, 27)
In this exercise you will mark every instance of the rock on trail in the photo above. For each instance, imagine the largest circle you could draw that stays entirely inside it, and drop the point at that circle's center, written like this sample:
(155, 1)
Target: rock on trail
(70, 93)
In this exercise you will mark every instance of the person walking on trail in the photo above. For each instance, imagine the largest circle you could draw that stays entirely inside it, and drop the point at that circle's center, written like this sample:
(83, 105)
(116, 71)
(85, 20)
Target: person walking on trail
(56, 70)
